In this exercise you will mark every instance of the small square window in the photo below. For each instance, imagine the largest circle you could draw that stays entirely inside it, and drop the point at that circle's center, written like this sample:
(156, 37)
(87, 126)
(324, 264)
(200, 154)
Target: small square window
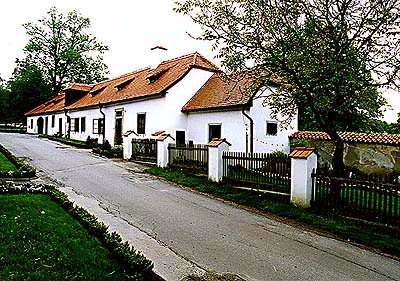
(214, 131)
(272, 128)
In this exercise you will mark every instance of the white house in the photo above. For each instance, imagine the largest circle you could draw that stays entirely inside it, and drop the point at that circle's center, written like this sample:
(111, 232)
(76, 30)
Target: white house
(187, 97)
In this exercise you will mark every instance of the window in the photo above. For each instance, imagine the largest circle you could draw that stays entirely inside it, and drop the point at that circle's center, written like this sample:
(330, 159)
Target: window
(141, 123)
(98, 126)
(72, 125)
(214, 131)
(180, 137)
(83, 124)
(272, 128)
(53, 121)
(31, 123)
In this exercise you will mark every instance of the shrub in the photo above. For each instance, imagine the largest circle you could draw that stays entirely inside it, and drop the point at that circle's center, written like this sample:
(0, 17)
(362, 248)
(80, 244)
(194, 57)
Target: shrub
(106, 145)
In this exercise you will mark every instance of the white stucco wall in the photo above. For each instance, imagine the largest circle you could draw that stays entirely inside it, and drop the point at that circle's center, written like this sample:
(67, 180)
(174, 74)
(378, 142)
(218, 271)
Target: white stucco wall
(235, 127)
(89, 114)
(51, 130)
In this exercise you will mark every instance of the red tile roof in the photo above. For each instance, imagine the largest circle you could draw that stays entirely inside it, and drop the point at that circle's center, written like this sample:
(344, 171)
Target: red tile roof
(144, 82)
(138, 84)
(223, 91)
(378, 138)
(301, 152)
(53, 105)
(217, 141)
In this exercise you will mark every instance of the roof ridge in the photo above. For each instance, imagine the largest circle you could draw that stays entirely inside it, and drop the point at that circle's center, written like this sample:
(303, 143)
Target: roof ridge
(123, 75)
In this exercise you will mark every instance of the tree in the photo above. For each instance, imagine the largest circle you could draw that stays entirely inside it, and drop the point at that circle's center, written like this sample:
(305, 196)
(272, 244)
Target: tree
(332, 56)
(4, 102)
(27, 88)
(63, 50)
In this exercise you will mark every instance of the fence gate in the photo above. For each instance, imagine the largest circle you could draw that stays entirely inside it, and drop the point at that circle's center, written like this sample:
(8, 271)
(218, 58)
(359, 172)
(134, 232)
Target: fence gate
(144, 150)
(265, 171)
(188, 156)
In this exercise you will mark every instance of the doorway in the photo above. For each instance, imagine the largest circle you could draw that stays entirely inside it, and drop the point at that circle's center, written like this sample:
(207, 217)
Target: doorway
(118, 126)
(40, 123)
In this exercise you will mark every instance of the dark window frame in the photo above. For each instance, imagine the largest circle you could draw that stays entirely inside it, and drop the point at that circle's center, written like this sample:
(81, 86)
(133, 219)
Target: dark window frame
(53, 121)
(83, 124)
(211, 131)
(141, 124)
(98, 126)
(271, 128)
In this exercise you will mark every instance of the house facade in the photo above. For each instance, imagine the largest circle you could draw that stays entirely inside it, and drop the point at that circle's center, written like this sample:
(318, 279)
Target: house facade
(187, 97)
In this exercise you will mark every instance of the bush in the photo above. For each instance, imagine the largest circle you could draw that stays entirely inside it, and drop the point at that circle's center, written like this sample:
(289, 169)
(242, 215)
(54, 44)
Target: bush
(106, 145)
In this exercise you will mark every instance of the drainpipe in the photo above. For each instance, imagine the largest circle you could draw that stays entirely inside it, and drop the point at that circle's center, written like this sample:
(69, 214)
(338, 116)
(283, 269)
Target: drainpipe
(251, 130)
(104, 122)
(67, 124)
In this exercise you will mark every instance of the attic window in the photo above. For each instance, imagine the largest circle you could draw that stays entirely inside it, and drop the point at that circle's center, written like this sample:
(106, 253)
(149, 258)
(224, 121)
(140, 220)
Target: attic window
(155, 76)
(123, 84)
(95, 92)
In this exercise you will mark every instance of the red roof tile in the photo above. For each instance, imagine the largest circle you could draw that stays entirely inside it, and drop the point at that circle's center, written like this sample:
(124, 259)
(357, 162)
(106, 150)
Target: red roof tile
(379, 138)
(133, 85)
(53, 105)
(223, 92)
(139, 85)
(217, 141)
(301, 152)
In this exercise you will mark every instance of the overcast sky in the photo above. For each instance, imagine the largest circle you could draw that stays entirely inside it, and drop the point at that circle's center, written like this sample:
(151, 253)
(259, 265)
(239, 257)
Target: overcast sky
(130, 28)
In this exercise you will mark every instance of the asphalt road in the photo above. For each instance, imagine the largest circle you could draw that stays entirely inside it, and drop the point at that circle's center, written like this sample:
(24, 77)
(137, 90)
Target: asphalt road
(194, 229)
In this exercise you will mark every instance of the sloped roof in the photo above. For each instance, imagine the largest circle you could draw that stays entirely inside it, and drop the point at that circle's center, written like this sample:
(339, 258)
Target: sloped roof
(378, 138)
(53, 105)
(144, 82)
(223, 92)
(301, 152)
(79, 87)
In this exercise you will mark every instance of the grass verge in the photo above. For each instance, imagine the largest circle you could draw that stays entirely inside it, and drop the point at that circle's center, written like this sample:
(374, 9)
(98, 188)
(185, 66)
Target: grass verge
(381, 237)
(76, 143)
(40, 241)
(23, 170)
(6, 165)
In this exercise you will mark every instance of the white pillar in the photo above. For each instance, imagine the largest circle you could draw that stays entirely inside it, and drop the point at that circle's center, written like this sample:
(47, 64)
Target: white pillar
(215, 165)
(303, 161)
(127, 143)
(162, 149)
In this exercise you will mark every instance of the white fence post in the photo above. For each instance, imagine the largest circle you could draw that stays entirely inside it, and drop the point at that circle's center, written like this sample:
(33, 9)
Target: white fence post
(127, 143)
(303, 161)
(162, 149)
(215, 165)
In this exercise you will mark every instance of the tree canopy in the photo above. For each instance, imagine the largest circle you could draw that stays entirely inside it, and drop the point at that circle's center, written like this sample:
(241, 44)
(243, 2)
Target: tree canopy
(63, 50)
(332, 56)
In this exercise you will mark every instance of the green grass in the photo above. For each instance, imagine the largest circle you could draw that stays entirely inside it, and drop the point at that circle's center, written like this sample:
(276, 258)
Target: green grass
(382, 237)
(76, 143)
(6, 165)
(40, 241)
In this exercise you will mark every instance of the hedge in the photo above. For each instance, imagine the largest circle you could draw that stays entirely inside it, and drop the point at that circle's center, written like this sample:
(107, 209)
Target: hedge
(24, 170)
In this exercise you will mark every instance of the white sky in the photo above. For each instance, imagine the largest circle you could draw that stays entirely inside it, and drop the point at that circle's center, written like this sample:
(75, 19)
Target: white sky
(130, 28)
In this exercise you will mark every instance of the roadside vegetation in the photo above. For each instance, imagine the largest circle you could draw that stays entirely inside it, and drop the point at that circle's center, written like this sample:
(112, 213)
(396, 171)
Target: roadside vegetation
(40, 241)
(377, 236)
(12, 167)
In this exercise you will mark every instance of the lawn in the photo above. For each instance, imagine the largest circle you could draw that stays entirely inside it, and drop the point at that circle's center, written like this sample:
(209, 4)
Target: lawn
(378, 236)
(40, 241)
(6, 165)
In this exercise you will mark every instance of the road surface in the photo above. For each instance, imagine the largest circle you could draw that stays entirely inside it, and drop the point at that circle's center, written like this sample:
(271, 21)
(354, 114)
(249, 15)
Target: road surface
(184, 232)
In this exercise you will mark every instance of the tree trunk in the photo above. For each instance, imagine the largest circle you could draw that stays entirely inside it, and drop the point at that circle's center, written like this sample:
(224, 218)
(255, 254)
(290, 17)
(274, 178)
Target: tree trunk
(337, 160)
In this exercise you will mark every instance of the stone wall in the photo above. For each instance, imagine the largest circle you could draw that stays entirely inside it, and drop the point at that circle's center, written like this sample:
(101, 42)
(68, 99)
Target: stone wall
(367, 158)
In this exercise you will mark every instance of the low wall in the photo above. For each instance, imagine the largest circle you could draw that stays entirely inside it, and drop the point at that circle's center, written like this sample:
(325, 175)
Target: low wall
(367, 158)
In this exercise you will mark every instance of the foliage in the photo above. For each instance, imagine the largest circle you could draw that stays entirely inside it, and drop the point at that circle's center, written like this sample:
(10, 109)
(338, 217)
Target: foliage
(384, 127)
(42, 242)
(378, 236)
(27, 89)
(23, 170)
(76, 143)
(106, 145)
(298, 143)
(60, 46)
(114, 152)
(329, 56)
(4, 102)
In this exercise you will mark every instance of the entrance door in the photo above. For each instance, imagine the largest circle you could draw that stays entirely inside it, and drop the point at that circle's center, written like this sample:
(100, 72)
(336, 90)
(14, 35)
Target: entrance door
(118, 127)
(46, 126)
(40, 123)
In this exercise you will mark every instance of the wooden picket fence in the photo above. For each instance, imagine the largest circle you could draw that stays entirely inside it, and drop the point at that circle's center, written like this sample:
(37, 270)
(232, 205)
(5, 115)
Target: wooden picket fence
(144, 150)
(193, 156)
(368, 197)
(258, 170)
